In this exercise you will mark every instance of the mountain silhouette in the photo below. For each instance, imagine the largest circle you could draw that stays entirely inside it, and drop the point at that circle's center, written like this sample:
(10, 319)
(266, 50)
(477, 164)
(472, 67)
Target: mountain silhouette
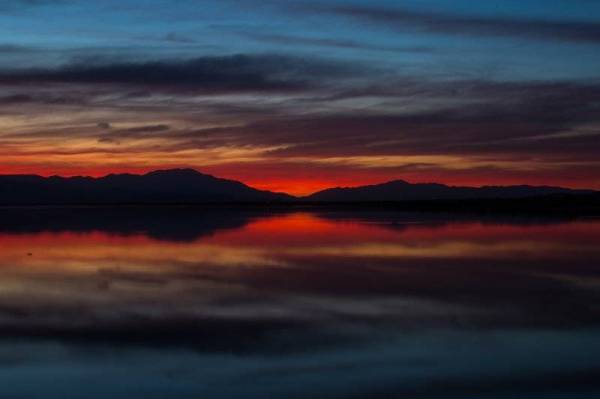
(400, 190)
(188, 186)
(158, 187)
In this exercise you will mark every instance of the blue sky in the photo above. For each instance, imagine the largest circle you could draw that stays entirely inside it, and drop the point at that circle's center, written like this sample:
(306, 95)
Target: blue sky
(62, 31)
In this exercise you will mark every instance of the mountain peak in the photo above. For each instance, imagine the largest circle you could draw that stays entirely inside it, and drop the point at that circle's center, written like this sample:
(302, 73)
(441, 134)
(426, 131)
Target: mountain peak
(175, 172)
(398, 182)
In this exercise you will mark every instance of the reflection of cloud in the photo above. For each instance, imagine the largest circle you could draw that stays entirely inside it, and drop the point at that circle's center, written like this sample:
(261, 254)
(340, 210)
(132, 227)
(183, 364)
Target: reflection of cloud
(446, 250)
(292, 281)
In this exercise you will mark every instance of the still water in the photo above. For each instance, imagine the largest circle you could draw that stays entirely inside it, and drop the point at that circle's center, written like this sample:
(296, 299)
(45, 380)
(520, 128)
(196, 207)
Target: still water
(225, 303)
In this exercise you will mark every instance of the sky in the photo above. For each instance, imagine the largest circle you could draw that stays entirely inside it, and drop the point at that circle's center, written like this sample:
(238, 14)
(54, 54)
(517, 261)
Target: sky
(297, 96)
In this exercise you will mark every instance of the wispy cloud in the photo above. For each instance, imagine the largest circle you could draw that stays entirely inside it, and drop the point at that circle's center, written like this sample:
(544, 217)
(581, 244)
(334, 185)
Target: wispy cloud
(332, 42)
(436, 22)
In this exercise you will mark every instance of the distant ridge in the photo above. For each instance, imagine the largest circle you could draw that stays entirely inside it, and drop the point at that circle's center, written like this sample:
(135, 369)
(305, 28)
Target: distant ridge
(158, 187)
(188, 186)
(400, 190)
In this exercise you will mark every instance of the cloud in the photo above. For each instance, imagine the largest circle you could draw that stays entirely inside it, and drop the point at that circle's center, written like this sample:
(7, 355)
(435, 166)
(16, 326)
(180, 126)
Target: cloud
(58, 97)
(452, 131)
(14, 49)
(553, 118)
(436, 22)
(137, 132)
(235, 73)
(107, 140)
(178, 38)
(146, 129)
(17, 5)
(103, 125)
(331, 42)
(16, 99)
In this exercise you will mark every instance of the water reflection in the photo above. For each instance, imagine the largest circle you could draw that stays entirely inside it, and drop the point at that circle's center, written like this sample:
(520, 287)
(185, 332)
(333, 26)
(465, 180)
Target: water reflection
(230, 303)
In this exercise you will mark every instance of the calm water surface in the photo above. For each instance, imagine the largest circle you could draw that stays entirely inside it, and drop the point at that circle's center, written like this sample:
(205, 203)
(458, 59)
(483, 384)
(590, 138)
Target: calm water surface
(190, 303)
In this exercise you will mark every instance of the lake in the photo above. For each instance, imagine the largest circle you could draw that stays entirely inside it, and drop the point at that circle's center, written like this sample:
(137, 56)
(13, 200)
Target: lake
(300, 303)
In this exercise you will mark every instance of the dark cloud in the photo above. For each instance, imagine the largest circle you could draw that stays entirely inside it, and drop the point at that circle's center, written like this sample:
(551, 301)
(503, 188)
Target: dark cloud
(16, 99)
(16, 5)
(236, 73)
(137, 132)
(41, 97)
(147, 128)
(107, 140)
(14, 49)
(104, 125)
(435, 22)
(549, 121)
(178, 38)
(330, 42)
(560, 119)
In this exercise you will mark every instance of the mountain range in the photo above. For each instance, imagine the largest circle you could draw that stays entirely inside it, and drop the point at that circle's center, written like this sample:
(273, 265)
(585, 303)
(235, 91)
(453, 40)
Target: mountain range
(158, 187)
(400, 190)
(190, 186)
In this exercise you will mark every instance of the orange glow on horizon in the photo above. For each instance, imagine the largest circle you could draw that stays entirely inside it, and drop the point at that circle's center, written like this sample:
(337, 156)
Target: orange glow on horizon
(301, 183)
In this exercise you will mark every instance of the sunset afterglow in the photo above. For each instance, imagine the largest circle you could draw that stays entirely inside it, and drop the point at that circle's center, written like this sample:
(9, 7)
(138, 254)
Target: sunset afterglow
(300, 97)
(286, 199)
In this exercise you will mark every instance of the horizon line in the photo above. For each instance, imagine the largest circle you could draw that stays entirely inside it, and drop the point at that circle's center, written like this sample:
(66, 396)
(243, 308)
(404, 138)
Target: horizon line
(283, 192)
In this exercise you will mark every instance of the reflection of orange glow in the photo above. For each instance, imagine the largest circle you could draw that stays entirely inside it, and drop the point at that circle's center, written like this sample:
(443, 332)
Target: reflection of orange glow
(308, 228)
(269, 240)
(303, 227)
(112, 272)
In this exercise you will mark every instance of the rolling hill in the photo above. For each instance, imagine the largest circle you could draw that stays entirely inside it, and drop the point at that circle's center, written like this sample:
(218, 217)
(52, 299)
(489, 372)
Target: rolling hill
(158, 187)
(400, 190)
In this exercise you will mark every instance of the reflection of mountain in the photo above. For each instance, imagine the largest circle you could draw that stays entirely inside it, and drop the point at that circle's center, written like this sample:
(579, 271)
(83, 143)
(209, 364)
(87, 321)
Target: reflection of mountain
(189, 223)
(167, 186)
(163, 223)
(403, 191)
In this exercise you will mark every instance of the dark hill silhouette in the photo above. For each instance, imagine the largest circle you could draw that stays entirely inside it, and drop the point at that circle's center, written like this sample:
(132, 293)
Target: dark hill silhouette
(158, 187)
(188, 186)
(400, 190)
